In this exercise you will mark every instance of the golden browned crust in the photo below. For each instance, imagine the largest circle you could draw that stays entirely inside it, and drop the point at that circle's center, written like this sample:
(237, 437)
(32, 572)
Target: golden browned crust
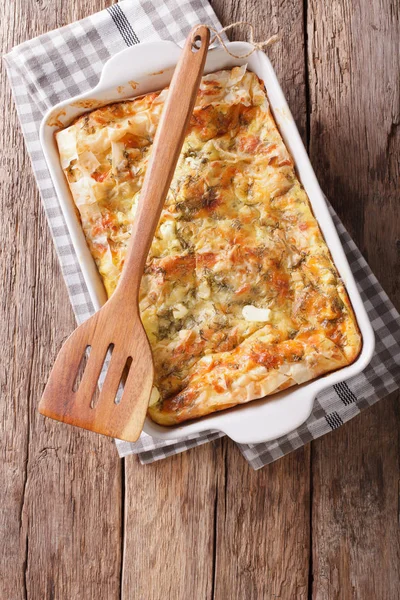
(240, 298)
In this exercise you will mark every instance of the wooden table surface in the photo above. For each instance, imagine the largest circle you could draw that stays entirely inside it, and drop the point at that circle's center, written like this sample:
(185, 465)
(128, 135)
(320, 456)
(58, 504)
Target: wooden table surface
(76, 522)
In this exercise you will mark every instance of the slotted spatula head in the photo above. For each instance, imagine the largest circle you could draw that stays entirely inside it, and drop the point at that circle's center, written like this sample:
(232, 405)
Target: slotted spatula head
(116, 327)
(110, 330)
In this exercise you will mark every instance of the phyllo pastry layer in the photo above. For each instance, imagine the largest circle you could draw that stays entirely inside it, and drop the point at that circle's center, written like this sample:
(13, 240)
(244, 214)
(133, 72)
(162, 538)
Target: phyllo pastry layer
(240, 298)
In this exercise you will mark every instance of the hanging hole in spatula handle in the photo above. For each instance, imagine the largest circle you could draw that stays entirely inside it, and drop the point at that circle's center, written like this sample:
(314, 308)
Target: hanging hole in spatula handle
(196, 44)
(200, 36)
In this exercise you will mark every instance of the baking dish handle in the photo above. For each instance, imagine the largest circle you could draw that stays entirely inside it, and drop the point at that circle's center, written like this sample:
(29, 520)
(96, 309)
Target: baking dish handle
(273, 416)
(115, 71)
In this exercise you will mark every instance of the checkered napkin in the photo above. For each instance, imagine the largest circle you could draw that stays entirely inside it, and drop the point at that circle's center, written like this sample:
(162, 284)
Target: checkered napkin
(67, 62)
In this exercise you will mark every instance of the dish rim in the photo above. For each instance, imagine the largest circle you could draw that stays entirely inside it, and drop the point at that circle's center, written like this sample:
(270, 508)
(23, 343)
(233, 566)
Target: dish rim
(258, 420)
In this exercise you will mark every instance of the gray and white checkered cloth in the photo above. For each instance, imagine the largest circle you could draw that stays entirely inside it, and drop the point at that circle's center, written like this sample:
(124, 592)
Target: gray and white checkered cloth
(68, 62)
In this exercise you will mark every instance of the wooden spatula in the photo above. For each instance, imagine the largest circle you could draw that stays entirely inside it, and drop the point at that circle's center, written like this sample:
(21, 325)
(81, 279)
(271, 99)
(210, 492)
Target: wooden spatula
(117, 325)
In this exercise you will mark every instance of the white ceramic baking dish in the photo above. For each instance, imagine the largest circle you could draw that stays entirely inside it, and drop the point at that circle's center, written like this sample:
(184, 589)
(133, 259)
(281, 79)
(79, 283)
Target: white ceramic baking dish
(148, 67)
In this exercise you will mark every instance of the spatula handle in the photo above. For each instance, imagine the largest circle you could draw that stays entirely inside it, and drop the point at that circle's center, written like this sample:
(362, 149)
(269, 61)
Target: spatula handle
(166, 148)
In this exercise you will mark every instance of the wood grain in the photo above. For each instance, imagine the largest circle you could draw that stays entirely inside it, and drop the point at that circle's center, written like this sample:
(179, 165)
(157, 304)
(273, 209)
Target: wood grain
(355, 145)
(60, 498)
(202, 524)
(263, 526)
(258, 552)
(356, 541)
(170, 526)
(262, 542)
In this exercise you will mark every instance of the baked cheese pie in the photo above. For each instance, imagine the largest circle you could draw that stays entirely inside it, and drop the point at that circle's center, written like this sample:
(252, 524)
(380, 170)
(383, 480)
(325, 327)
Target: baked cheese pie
(240, 297)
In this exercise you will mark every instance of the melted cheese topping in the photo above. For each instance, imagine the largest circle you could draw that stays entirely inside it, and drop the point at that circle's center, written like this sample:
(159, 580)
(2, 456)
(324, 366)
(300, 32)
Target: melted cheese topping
(240, 297)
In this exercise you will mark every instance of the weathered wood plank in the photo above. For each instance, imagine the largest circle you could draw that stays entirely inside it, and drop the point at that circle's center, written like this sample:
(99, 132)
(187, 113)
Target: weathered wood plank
(211, 526)
(263, 529)
(263, 525)
(355, 143)
(356, 541)
(60, 497)
(169, 533)
(248, 561)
